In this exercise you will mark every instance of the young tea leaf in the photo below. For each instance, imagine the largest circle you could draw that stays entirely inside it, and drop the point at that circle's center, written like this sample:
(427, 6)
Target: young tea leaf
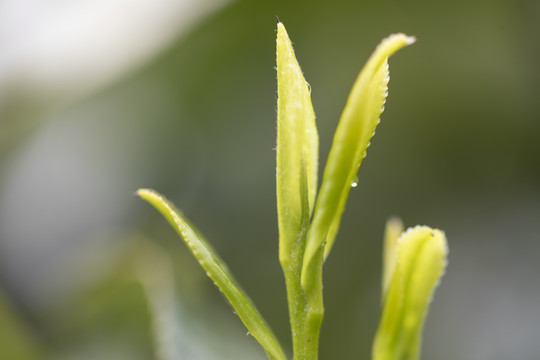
(356, 127)
(420, 262)
(218, 272)
(296, 178)
(297, 147)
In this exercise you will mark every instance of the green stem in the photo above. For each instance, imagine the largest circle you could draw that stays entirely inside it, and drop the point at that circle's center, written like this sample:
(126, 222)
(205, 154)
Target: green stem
(292, 268)
(305, 314)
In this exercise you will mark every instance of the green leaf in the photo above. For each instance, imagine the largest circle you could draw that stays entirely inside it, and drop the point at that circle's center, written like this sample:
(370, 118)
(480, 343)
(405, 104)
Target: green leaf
(355, 129)
(392, 232)
(297, 146)
(420, 262)
(296, 179)
(218, 272)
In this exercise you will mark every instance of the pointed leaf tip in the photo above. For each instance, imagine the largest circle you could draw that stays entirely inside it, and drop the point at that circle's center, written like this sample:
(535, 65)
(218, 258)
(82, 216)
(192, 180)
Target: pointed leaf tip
(217, 271)
(352, 137)
(297, 146)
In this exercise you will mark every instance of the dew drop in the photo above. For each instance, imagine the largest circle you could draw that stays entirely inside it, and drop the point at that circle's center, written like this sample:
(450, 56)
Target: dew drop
(354, 183)
(364, 154)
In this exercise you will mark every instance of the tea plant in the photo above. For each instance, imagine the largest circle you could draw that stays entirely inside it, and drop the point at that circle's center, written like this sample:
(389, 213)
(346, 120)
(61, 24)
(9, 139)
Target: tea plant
(414, 260)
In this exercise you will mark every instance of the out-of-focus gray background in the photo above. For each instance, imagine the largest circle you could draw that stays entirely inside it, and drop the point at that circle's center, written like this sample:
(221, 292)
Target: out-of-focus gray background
(99, 98)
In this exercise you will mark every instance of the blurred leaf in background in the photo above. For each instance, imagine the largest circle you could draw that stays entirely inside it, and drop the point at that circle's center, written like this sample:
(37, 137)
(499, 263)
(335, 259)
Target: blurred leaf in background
(134, 311)
(16, 341)
(463, 108)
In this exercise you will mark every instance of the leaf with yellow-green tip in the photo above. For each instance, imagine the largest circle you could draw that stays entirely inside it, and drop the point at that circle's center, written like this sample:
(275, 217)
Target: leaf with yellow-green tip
(355, 129)
(392, 232)
(296, 180)
(420, 262)
(297, 147)
(218, 272)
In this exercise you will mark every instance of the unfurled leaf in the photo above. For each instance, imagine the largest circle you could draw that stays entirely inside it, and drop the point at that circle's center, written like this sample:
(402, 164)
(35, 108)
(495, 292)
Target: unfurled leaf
(392, 232)
(420, 262)
(218, 272)
(351, 140)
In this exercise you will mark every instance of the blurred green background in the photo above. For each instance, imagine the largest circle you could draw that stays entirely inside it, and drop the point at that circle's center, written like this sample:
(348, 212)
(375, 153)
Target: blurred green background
(99, 98)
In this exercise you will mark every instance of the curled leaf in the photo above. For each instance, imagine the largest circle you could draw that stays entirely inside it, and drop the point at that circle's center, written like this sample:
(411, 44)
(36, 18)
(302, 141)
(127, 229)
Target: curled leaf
(420, 262)
(297, 147)
(218, 272)
(296, 179)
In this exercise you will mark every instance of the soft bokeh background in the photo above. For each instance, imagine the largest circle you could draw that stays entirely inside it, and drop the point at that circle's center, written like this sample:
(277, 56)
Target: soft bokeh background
(98, 98)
